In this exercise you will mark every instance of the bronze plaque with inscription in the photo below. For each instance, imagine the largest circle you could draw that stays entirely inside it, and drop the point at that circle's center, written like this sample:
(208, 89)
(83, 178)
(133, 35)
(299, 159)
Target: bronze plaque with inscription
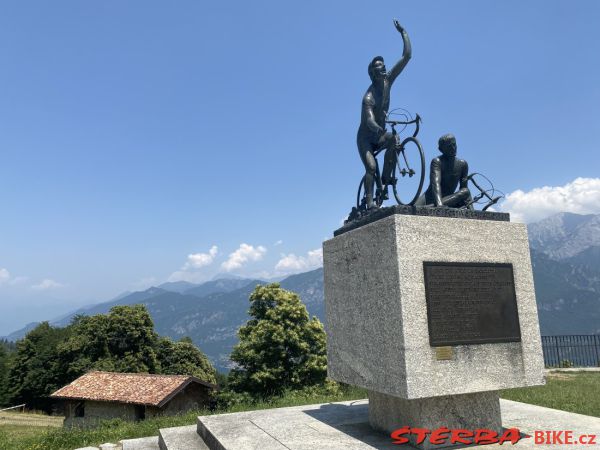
(470, 303)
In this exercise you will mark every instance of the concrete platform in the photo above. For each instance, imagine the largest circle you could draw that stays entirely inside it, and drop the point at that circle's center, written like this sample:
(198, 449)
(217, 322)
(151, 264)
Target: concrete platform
(180, 438)
(147, 443)
(345, 425)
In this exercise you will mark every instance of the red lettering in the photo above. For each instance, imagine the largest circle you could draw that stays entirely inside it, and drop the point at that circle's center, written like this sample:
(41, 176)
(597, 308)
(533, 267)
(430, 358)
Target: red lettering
(439, 436)
(460, 437)
(421, 434)
(481, 436)
(485, 436)
(398, 435)
(538, 437)
(511, 435)
(556, 437)
(592, 439)
(569, 438)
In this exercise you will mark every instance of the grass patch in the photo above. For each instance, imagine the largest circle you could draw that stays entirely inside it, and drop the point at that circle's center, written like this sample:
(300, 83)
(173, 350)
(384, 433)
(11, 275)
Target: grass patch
(44, 438)
(19, 431)
(569, 391)
(30, 419)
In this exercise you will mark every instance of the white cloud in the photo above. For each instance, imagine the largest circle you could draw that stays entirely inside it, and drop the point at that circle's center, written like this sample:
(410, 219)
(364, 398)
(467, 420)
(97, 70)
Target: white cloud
(292, 263)
(46, 285)
(198, 260)
(242, 255)
(279, 242)
(581, 196)
(189, 271)
(4, 276)
(7, 279)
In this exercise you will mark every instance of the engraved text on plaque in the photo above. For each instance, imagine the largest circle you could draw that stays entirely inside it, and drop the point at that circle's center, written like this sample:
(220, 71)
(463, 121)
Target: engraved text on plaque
(470, 303)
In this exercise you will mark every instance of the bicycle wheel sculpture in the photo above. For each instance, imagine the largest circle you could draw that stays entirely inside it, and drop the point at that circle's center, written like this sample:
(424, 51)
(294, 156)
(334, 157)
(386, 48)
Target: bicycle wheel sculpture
(409, 175)
(409, 171)
(483, 191)
(360, 195)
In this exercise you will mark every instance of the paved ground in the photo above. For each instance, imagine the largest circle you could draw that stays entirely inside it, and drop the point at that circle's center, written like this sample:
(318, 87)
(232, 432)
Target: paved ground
(345, 426)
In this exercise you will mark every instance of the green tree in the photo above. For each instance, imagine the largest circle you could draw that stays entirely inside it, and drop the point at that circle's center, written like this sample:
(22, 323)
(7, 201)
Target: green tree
(35, 370)
(8, 345)
(4, 369)
(280, 347)
(184, 358)
(123, 340)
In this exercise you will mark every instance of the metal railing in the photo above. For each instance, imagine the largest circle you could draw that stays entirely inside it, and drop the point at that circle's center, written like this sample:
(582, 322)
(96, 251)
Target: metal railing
(11, 408)
(571, 350)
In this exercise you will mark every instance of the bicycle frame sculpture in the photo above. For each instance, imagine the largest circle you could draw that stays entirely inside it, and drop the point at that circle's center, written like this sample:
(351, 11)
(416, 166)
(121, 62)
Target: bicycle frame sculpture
(408, 161)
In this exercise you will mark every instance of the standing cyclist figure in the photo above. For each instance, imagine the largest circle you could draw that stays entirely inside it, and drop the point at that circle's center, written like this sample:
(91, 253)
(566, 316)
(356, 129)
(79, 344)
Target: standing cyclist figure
(372, 135)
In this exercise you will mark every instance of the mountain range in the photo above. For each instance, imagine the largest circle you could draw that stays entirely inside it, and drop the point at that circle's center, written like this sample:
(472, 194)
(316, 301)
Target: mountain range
(565, 253)
(210, 313)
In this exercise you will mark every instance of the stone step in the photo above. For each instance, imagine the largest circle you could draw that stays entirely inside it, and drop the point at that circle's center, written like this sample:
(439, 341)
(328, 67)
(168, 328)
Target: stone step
(235, 431)
(147, 443)
(180, 438)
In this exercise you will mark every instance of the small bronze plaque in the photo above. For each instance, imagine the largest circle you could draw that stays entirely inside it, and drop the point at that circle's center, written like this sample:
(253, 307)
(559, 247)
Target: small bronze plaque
(470, 303)
(443, 353)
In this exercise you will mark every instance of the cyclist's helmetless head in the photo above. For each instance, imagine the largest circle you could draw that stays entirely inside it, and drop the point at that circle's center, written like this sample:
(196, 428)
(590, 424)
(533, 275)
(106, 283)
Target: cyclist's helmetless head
(377, 68)
(447, 145)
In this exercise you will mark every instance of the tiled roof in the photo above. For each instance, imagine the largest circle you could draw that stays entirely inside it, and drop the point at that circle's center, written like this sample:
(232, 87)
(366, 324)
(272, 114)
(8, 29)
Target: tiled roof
(137, 388)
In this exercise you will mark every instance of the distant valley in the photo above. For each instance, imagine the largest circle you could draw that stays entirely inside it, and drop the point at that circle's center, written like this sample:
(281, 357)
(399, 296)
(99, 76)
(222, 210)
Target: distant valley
(565, 251)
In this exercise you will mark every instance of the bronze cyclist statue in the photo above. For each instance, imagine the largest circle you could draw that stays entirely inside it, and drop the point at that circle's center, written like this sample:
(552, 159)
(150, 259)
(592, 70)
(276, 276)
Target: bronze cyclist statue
(372, 135)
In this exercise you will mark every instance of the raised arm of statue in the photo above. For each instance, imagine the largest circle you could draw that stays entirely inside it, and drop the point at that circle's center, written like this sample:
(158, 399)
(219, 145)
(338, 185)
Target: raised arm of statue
(406, 54)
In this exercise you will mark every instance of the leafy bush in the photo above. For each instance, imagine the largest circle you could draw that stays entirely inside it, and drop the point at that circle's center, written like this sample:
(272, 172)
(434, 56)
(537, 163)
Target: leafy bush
(280, 348)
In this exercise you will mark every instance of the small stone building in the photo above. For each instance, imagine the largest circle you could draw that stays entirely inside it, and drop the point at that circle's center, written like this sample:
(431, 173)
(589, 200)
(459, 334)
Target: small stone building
(131, 396)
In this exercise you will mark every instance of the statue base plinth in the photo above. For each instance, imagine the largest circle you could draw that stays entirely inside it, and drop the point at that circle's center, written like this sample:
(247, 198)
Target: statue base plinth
(377, 320)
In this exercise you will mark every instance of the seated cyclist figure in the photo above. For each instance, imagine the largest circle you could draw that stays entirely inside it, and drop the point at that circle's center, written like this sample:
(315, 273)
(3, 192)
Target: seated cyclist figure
(375, 104)
(447, 172)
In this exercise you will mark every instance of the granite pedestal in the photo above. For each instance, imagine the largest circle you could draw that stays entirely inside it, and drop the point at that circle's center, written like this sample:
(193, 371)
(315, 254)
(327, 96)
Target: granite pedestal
(377, 321)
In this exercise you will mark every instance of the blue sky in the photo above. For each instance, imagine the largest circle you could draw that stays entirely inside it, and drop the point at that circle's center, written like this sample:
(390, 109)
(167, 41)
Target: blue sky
(143, 141)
